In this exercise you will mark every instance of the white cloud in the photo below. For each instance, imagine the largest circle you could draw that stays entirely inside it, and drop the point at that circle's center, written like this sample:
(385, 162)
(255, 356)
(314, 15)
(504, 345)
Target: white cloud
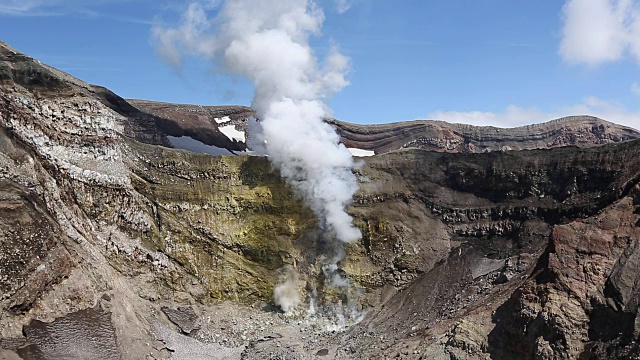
(79, 8)
(600, 31)
(26, 7)
(635, 89)
(514, 115)
(192, 36)
(342, 6)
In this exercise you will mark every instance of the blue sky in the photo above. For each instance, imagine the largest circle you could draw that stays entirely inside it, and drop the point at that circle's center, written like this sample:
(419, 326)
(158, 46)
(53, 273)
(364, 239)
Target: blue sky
(490, 62)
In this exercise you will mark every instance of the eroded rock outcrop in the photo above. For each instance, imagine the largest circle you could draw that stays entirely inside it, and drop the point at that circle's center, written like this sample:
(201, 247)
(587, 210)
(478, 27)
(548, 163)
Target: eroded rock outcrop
(581, 131)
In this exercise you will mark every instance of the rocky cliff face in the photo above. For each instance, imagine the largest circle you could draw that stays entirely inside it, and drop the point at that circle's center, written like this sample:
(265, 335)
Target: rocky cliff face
(123, 246)
(535, 252)
(581, 131)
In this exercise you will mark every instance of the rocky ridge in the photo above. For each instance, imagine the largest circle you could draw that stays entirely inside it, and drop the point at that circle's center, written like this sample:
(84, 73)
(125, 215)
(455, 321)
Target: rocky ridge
(442, 136)
(200, 122)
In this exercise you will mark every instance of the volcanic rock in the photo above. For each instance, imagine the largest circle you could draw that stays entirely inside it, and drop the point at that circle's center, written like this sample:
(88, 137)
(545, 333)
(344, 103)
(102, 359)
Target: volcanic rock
(472, 246)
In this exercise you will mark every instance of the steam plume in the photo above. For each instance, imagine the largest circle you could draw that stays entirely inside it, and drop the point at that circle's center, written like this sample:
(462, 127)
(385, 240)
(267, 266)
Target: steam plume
(286, 294)
(272, 50)
(268, 43)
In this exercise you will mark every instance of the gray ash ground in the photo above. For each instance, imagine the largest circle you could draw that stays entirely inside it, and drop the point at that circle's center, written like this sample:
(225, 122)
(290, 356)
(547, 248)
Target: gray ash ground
(259, 331)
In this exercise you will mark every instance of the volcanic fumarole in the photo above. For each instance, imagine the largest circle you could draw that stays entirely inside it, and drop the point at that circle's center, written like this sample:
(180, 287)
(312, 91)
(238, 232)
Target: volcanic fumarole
(268, 43)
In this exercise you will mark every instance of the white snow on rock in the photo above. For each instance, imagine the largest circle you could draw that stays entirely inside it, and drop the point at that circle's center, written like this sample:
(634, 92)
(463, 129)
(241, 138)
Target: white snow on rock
(222, 120)
(233, 134)
(193, 145)
(361, 152)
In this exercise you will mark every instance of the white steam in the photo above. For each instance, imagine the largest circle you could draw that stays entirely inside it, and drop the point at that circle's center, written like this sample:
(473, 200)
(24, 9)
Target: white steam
(309, 156)
(286, 294)
(268, 43)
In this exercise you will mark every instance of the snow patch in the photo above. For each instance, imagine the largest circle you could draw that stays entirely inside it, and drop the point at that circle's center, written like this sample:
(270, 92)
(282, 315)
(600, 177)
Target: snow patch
(193, 145)
(233, 134)
(222, 120)
(361, 152)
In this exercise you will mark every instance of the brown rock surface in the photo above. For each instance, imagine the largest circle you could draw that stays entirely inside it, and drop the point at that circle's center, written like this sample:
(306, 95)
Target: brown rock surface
(581, 131)
(198, 122)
